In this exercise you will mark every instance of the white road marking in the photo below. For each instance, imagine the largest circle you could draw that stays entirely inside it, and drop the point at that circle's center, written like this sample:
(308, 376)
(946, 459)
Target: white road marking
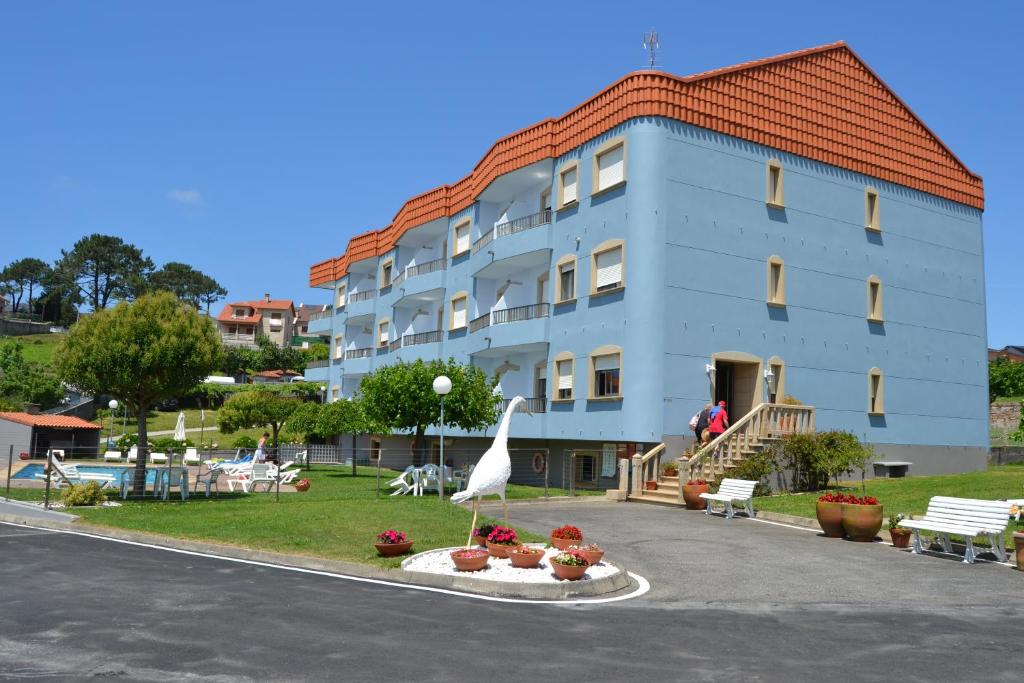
(643, 585)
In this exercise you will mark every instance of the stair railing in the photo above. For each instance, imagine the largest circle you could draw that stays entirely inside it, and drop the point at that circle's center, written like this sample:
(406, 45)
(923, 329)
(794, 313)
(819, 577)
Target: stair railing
(646, 467)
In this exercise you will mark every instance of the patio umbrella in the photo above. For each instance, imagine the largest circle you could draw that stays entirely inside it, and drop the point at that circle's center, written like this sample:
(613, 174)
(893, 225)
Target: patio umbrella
(179, 432)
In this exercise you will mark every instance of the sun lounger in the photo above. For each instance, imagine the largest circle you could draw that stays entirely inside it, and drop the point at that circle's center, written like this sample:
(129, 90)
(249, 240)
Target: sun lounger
(112, 456)
(191, 457)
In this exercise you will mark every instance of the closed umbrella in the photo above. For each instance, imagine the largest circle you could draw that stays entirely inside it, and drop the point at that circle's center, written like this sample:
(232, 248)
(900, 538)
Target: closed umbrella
(179, 431)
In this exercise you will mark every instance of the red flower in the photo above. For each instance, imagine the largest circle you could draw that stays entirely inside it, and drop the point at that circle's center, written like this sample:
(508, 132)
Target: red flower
(696, 482)
(391, 536)
(568, 532)
(503, 535)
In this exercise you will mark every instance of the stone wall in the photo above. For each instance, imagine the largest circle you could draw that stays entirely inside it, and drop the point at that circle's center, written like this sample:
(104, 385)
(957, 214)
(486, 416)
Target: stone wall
(1006, 455)
(1004, 416)
(12, 327)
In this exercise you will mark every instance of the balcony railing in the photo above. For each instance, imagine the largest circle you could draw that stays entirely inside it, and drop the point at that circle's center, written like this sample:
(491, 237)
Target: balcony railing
(422, 338)
(479, 323)
(326, 313)
(513, 315)
(316, 364)
(483, 240)
(365, 295)
(520, 224)
(395, 345)
(534, 405)
(359, 353)
(424, 268)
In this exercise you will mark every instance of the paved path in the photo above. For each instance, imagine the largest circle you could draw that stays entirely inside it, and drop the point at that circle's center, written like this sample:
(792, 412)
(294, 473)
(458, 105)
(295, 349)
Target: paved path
(731, 600)
(27, 511)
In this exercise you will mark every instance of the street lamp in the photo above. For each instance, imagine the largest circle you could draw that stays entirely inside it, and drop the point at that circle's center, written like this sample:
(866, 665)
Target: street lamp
(442, 385)
(113, 406)
(323, 393)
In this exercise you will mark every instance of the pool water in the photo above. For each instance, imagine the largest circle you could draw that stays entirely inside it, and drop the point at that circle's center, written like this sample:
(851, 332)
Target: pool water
(31, 470)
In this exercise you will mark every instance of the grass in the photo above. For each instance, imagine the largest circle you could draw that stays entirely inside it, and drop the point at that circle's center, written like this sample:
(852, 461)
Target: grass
(39, 348)
(338, 518)
(158, 421)
(910, 495)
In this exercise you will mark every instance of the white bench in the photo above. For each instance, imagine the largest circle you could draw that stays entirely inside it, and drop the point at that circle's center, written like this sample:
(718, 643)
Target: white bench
(729, 491)
(965, 517)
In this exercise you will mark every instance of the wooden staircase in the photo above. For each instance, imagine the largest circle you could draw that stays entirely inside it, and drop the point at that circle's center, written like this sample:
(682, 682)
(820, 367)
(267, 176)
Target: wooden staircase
(763, 425)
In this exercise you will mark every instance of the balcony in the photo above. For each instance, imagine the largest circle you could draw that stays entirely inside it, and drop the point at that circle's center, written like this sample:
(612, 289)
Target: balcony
(320, 315)
(238, 339)
(483, 240)
(512, 227)
(510, 315)
(479, 323)
(424, 268)
(365, 295)
(359, 353)
(534, 405)
(422, 338)
(316, 364)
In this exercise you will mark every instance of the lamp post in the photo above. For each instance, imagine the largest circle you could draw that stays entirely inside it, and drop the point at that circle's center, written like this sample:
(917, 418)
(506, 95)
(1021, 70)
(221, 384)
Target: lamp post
(113, 406)
(442, 385)
(323, 393)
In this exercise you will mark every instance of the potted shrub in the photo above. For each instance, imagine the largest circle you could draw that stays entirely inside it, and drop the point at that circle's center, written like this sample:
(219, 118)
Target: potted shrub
(651, 485)
(501, 540)
(862, 518)
(470, 559)
(829, 511)
(1018, 546)
(900, 535)
(526, 557)
(391, 543)
(569, 565)
(301, 485)
(691, 494)
(23, 455)
(670, 469)
(565, 536)
(593, 552)
(480, 534)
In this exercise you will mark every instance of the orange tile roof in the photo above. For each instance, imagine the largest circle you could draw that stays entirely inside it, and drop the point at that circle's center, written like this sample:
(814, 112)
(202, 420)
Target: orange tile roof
(822, 103)
(53, 421)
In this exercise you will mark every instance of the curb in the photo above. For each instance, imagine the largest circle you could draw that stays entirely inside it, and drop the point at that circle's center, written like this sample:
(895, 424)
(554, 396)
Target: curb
(805, 522)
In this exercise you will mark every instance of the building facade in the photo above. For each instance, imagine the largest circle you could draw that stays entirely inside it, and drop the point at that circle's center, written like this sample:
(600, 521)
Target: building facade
(784, 227)
(241, 322)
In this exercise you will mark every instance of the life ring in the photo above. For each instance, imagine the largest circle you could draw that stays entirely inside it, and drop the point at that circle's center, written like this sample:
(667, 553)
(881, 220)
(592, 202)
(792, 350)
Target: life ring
(538, 462)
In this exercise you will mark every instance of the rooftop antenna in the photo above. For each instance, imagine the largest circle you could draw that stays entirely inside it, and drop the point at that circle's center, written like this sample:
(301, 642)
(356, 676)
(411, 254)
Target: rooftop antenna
(651, 45)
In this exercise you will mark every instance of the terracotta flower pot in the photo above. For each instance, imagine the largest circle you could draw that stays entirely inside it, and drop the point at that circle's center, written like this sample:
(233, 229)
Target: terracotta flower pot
(23, 455)
(651, 485)
(691, 494)
(392, 549)
(501, 549)
(302, 485)
(593, 556)
(830, 518)
(563, 543)
(861, 522)
(568, 573)
(525, 560)
(1018, 544)
(474, 562)
(480, 540)
(900, 537)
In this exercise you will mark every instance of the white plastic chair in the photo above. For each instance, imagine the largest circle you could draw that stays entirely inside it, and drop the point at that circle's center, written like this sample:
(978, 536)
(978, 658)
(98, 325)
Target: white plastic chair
(405, 482)
(112, 456)
(259, 474)
(158, 458)
(133, 454)
(429, 478)
(191, 457)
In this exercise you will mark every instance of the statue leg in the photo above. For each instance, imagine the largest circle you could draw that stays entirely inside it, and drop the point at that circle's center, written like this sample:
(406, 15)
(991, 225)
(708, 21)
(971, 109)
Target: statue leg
(476, 508)
(504, 506)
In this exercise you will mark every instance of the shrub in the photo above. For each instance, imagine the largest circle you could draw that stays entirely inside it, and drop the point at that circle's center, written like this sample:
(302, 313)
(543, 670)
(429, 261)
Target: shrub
(83, 494)
(166, 443)
(244, 442)
(670, 469)
(125, 443)
(813, 460)
(756, 468)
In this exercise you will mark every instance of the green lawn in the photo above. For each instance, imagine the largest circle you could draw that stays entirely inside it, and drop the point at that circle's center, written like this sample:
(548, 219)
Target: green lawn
(338, 518)
(39, 348)
(165, 421)
(910, 495)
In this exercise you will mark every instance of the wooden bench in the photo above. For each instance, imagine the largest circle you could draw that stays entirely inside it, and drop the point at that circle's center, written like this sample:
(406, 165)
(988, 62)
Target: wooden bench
(729, 491)
(965, 517)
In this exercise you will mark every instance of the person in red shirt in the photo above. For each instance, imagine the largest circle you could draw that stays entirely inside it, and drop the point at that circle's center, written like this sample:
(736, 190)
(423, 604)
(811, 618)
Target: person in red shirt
(719, 421)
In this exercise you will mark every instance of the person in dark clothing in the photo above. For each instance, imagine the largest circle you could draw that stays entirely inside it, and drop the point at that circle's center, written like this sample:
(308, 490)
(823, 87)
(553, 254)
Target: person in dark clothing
(703, 420)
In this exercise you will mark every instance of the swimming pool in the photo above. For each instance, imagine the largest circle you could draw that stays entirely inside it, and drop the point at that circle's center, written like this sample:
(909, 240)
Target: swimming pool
(31, 470)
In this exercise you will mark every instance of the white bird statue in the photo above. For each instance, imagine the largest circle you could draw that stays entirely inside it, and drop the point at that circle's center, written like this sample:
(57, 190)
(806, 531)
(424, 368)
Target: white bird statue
(492, 472)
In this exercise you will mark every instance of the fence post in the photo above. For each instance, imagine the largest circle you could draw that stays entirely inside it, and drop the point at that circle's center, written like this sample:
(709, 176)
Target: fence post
(638, 483)
(572, 474)
(10, 463)
(547, 469)
(49, 473)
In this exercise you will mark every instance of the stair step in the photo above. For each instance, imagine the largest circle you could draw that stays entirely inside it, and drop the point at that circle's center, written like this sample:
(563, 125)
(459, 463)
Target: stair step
(659, 497)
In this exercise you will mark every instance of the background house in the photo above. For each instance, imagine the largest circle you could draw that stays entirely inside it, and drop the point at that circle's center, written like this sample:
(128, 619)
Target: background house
(36, 433)
(1013, 353)
(240, 322)
(301, 336)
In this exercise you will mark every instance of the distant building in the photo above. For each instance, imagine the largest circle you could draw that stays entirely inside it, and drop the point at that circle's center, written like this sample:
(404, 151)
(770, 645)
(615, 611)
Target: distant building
(37, 433)
(1013, 353)
(240, 322)
(303, 315)
(274, 376)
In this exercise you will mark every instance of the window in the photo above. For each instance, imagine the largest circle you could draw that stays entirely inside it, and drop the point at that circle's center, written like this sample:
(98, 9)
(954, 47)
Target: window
(461, 238)
(335, 393)
(609, 165)
(605, 372)
(776, 281)
(458, 318)
(568, 185)
(871, 211)
(545, 200)
(564, 370)
(339, 347)
(385, 273)
(342, 292)
(776, 379)
(774, 196)
(606, 267)
(383, 332)
(876, 392)
(875, 299)
(374, 448)
(566, 268)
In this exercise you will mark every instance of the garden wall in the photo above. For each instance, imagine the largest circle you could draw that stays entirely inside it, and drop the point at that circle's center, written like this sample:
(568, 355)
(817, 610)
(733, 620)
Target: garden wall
(1005, 455)
(1004, 416)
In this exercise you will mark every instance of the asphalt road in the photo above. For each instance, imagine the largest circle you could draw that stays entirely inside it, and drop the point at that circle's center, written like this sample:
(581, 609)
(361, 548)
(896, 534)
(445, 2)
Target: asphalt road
(734, 600)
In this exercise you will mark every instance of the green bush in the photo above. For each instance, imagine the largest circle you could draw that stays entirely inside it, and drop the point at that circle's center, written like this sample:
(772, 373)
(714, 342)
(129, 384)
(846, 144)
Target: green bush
(83, 494)
(811, 461)
(757, 468)
(166, 443)
(125, 443)
(1005, 379)
(244, 442)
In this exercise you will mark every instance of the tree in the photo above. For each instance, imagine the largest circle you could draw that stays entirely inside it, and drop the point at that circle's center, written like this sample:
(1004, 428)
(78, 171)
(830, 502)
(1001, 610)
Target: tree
(22, 382)
(26, 273)
(143, 352)
(324, 421)
(1005, 379)
(270, 356)
(209, 291)
(255, 409)
(188, 284)
(104, 267)
(401, 397)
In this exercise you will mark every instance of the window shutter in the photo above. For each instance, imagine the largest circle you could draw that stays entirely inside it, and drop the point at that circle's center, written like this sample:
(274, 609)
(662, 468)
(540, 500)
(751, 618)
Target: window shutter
(383, 334)
(565, 374)
(609, 268)
(462, 239)
(459, 313)
(569, 186)
(542, 372)
(610, 168)
(610, 362)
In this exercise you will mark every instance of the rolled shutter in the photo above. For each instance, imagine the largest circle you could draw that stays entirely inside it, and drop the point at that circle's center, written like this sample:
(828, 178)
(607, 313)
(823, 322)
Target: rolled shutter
(565, 374)
(569, 186)
(609, 268)
(462, 239)
(459, 313)
(542, 372)
(383, 334)
(611, 168)
(609, 362)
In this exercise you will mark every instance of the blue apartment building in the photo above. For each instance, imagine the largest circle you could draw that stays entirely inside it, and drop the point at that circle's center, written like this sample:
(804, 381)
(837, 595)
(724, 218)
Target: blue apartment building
(785, 227)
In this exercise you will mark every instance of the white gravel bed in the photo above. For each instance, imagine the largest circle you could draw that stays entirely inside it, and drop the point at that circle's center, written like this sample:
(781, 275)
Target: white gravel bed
(498, 569)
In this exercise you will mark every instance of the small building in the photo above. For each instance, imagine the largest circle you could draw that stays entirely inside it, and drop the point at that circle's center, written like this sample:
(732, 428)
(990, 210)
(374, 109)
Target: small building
(241, 322)
(1011, 353)
(274, 376)
(37, 433)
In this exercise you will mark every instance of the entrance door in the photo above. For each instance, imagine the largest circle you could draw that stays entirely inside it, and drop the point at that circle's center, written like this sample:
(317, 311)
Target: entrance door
(737, 383)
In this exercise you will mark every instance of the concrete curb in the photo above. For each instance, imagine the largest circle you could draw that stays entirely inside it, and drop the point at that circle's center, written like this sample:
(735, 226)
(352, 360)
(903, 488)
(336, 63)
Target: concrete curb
(805, 522)
(564, 590)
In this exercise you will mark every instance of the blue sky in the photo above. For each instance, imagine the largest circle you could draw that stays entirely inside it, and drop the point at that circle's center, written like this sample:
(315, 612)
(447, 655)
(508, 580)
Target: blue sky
(252, 139)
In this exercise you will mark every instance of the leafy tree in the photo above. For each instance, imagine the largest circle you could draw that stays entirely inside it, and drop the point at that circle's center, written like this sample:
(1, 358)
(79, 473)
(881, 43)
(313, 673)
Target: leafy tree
(1005, 379)
(209, 291)
(187, 283)
(104, 267)
(22, 382)
(325, 421)
(61, 298)
(260, 408)
(401, 397)
(26, 273)
(315, 352)
(143, 352)
(270, 356)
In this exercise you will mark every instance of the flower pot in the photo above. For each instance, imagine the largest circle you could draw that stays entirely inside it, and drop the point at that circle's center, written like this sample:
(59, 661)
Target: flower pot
(1018, 544)
(691, 494)
(651, 485)
(525, 560)
(900, 537)
(501, 549)
(563, 543)
(302, 485)
(23, 455)
(480, 541)
(567, 572)
(393, 549)
(473, 563)
(593, 556)
(830, 518)
(861, 522)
